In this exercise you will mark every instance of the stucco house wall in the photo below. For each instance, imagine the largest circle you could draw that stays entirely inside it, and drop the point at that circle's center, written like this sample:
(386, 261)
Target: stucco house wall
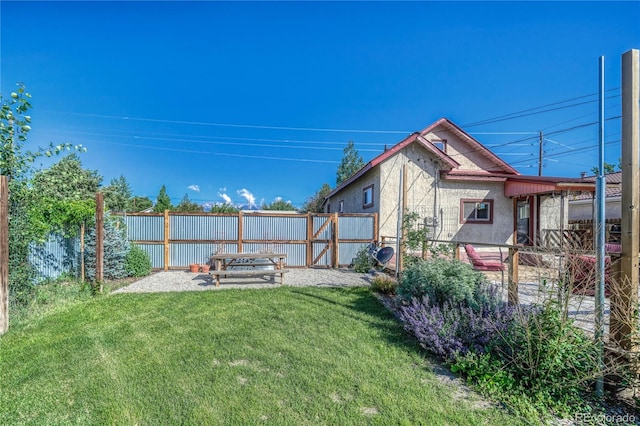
(429, 195)
(550, 205)
(351, 196)
(584, 210)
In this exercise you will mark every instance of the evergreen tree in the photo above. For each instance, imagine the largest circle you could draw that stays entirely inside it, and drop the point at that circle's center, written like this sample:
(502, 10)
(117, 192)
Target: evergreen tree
(351, 163)
(279, 204)
(138, 204)
(117, 194)
(188, 206)
(163, 202)
(314, 203)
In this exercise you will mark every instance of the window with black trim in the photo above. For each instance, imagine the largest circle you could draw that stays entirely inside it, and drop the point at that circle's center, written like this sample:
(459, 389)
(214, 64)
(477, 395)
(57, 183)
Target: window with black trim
(341, 206)
(476, 211)
(367, 197)
(328, 207)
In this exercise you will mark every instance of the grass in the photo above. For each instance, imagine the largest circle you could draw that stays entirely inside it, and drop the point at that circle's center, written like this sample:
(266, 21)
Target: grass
(285, 356)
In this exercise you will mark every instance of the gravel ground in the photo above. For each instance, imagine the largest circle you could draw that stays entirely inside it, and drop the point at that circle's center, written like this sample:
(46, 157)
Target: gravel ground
(188, 281)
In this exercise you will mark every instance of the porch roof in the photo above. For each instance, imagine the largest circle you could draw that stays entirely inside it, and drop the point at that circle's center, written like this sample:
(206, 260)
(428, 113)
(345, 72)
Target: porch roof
(531, 185)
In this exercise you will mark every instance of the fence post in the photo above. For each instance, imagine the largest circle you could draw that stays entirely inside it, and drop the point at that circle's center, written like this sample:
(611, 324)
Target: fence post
(99, 238)
(309, 238)
(376, 231)
(512, 288)
(4, 254)
(167, 229)
(82, 252)
(335, 253)
(240, 231)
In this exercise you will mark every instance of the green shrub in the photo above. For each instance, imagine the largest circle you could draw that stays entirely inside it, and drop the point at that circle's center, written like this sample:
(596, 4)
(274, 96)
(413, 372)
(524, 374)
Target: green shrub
(382, 283)
(137, 262)
(363, 262)
(116, 247)
(542, 364)
(443, 281)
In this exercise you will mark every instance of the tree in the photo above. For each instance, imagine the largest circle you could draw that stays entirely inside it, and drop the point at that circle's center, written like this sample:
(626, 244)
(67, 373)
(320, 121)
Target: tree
(279, 204)
(67, 180)
(163, 202)
(351, 163)
(138, 204)
(224, 208)
(17, 164)
(188, 206)
(314, 203)
(117, 194)
(608, 168)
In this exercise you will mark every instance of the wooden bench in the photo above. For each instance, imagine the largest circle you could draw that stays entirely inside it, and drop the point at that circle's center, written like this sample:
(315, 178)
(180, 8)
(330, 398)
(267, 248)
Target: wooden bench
(223, 263)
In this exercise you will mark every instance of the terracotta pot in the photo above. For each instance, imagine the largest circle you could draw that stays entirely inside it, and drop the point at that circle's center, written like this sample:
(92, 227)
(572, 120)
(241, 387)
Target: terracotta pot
(205, 268)
(194, 267)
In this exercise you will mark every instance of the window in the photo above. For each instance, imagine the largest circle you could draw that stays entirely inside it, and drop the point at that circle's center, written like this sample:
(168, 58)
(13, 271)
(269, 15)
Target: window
(367, 197)
(328, 207)
(476, 211)
(441, 144)
(341, 206)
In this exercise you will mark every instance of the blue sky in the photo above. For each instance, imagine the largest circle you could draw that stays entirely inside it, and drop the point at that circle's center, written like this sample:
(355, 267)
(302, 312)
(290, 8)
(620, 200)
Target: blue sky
(252, 101)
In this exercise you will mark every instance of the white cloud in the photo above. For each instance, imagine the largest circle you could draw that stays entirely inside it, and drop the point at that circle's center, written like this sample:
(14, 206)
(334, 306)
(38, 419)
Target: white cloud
(194, 188)
(225, 197)
(244, 193)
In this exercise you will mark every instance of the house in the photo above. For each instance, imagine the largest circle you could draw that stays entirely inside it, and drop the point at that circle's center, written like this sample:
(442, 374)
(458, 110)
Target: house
(459, 188)
(581, 206)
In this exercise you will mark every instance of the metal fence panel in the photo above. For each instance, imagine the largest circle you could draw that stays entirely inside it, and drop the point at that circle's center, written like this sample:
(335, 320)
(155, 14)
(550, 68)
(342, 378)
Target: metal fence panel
(156, 254)
(355, 228)
(194, 227)
(325, 259)
(274, 227)
(348, 251)
(296, 253)
(145, 228)
(184, 254)
(54, 257)
(318, 223)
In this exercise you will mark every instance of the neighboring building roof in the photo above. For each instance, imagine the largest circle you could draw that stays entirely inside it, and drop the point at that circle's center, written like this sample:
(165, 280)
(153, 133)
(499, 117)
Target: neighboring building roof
(613, 178)
(418, 137)
(530, 185)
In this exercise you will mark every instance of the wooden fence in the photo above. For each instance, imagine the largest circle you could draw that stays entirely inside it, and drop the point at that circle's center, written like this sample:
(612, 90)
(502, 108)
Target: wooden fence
(175, 240)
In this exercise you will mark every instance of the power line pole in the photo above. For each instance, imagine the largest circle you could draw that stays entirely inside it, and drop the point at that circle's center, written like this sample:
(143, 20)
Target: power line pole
(540, 154)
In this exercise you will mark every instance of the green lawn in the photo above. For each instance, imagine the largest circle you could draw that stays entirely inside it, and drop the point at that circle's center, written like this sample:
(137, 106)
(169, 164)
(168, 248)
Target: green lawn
(279, 356)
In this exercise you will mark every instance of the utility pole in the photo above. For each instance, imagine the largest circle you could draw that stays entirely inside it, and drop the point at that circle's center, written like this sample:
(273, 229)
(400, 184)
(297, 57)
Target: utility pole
(540, 154)
(624, 301)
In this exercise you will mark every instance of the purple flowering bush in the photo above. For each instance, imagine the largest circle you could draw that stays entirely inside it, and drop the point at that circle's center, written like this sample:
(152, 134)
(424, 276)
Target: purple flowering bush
(451, 330)
(532, 358)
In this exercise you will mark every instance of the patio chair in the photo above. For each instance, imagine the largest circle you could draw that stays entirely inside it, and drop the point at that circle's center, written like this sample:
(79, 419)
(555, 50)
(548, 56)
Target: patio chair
(483, 264)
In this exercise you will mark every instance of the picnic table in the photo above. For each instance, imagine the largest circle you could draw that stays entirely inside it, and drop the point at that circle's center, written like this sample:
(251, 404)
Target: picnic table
(245, 264)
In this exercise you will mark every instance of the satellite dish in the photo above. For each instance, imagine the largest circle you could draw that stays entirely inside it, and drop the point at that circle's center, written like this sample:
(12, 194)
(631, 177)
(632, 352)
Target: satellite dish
(380, 255)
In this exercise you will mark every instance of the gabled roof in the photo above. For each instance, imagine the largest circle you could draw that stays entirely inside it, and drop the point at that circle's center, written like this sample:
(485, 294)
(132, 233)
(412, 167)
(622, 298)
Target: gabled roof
(473, 143)
(418, 137)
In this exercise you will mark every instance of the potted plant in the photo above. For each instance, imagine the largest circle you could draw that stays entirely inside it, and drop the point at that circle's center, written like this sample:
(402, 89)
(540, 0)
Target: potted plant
(194, 267)
(205, 268)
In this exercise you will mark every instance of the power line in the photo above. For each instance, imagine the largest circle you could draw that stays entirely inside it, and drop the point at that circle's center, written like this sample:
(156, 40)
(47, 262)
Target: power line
(244, 126)
(225, 137)
(260, 157)
(233, 143)
(516, 114)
